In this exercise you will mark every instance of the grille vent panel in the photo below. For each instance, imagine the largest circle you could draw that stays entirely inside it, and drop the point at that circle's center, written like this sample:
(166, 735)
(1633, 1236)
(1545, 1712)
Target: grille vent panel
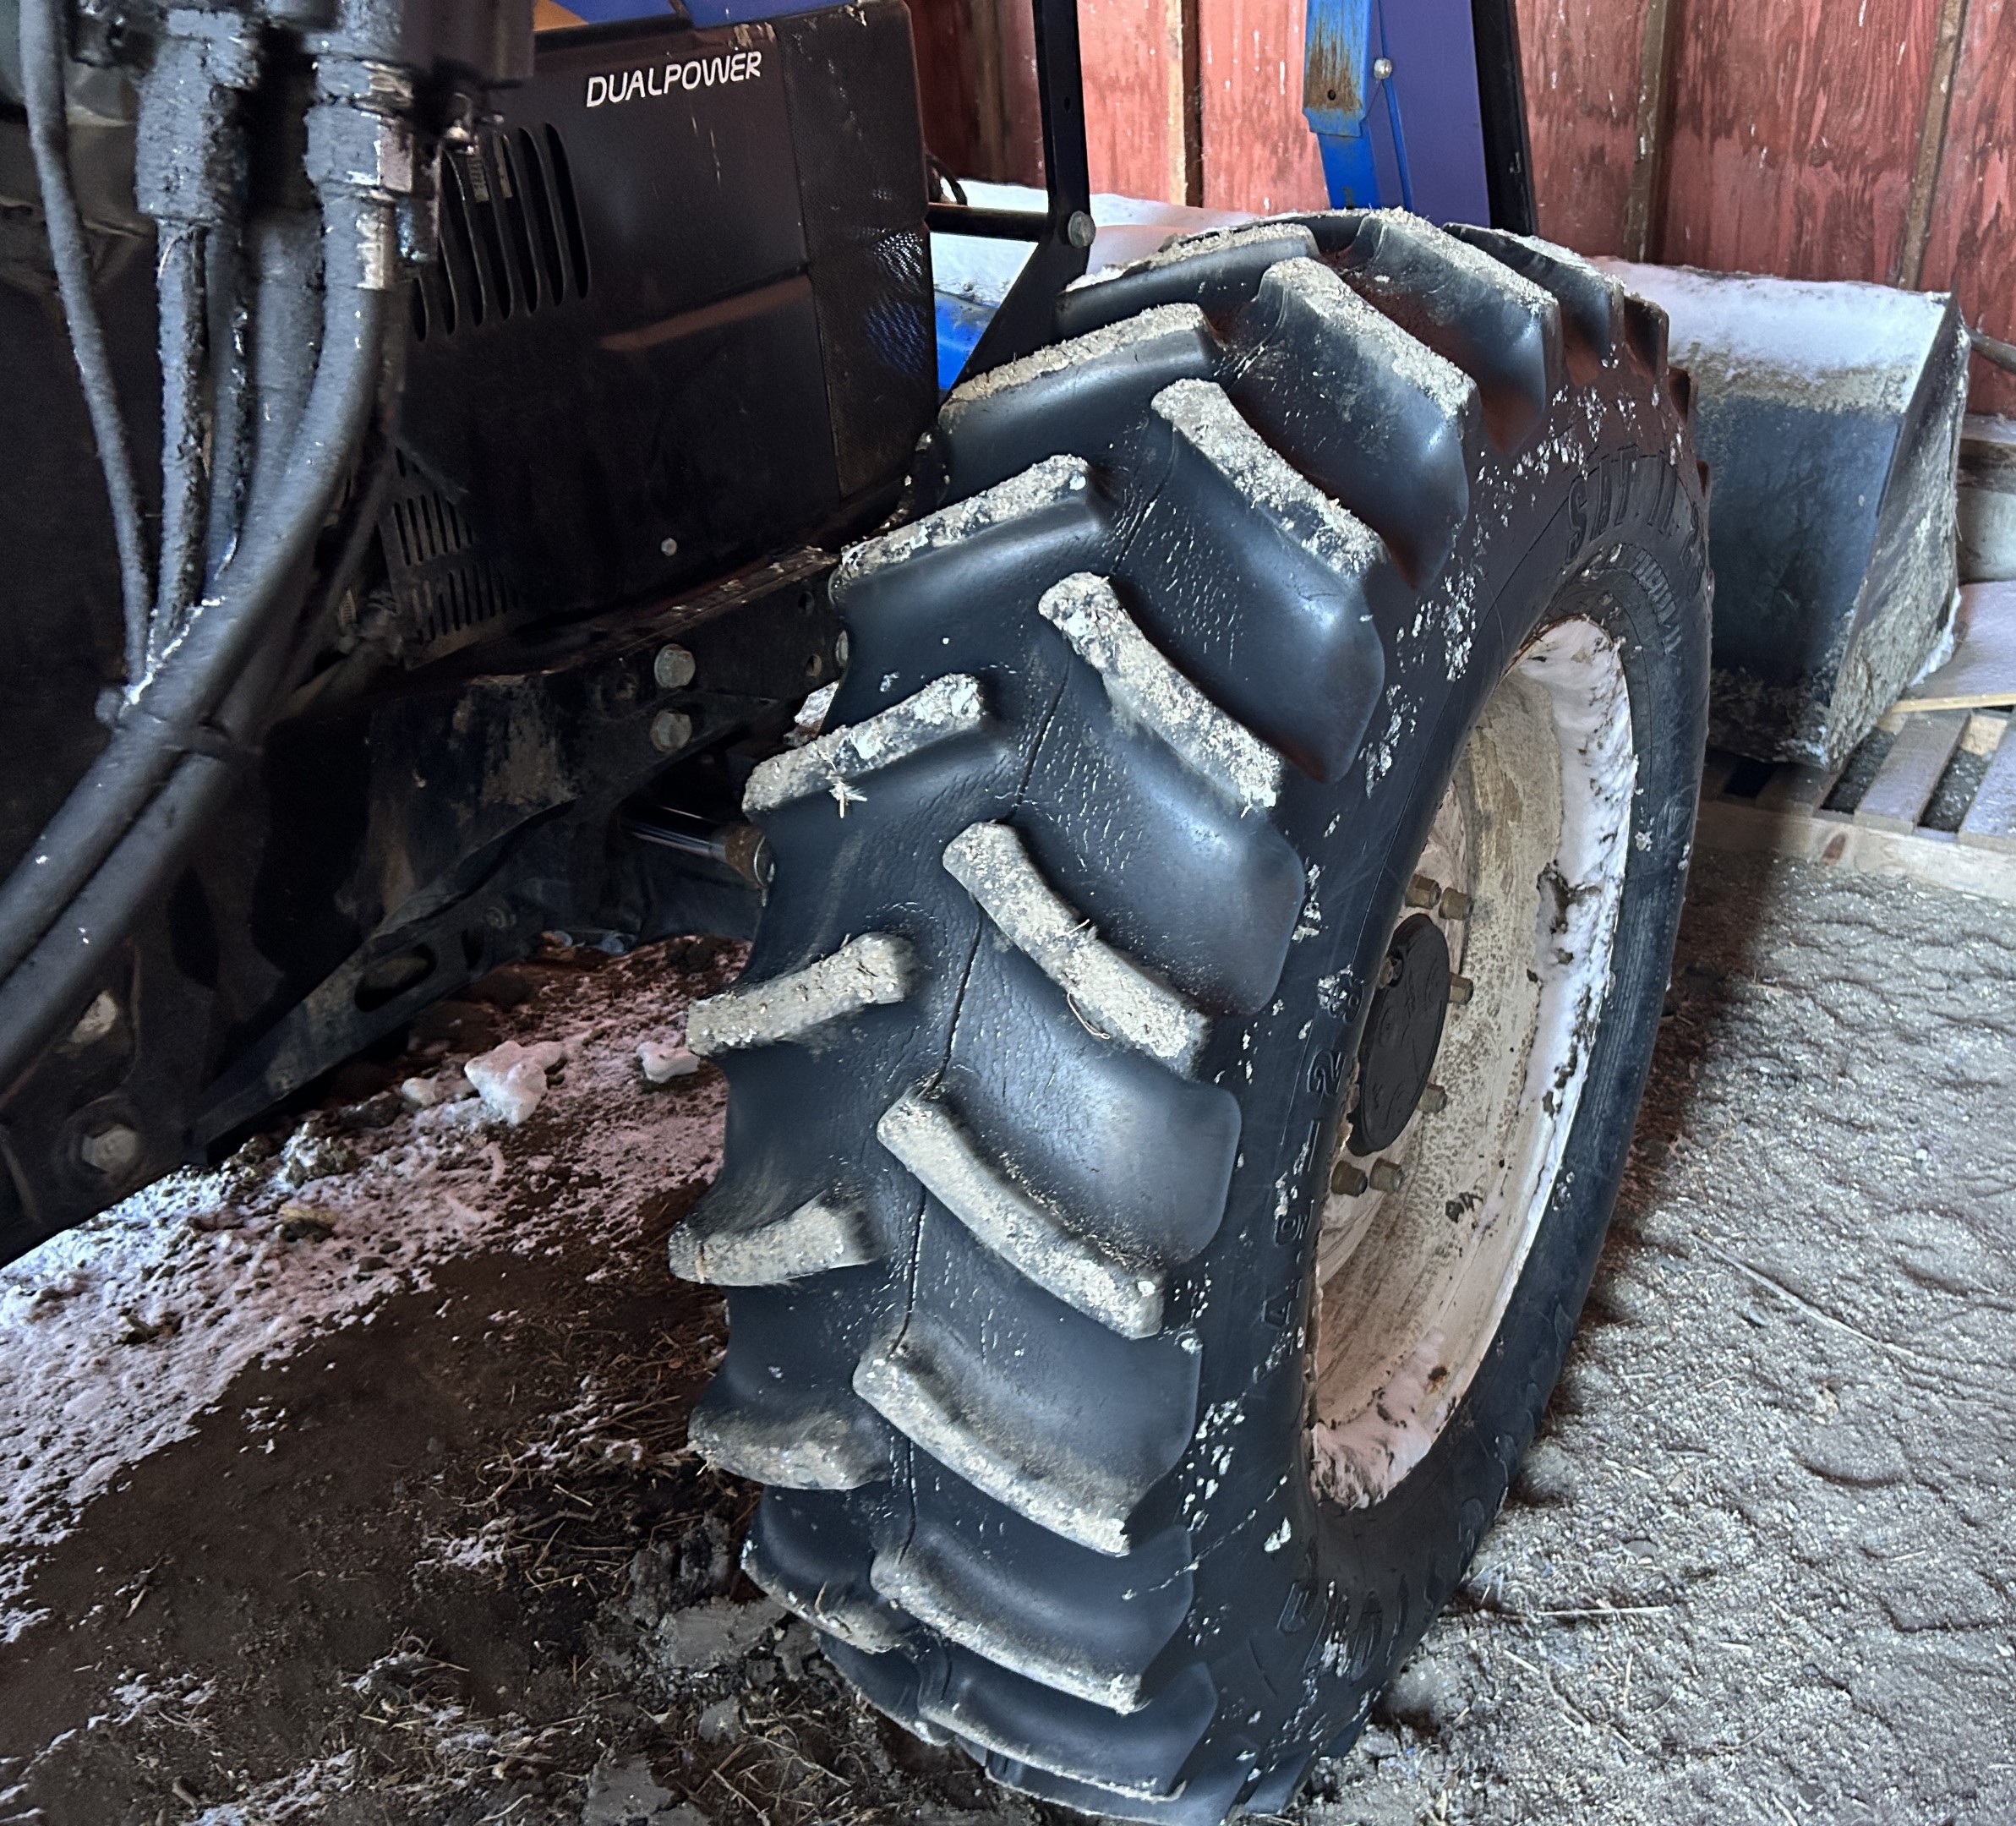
(511, 239)
(447, 593)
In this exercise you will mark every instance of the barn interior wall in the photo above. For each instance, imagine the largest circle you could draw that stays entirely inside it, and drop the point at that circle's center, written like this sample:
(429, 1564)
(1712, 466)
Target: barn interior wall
(1872, 141)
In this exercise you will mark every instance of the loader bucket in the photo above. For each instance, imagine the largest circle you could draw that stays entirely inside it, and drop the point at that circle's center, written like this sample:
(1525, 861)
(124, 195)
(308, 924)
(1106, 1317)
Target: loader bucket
(1829, 418)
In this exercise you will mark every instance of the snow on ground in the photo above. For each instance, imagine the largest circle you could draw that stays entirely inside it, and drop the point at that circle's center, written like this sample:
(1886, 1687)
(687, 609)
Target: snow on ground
(381, 1512)
(215, 1272)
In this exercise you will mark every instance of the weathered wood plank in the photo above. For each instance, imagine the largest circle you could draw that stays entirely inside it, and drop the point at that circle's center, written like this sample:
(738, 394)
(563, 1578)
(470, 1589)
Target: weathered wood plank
(1795, 127)
(1932, 146)
(1931, 857)
(1798, 789)
(1982, 670)
(1581, 62)
(1715, 771)
(942, 31)
(1133, 54)
(1259, 153)
(1972, 245)
(1991, 820)
(1904, 783)
(1645, 208)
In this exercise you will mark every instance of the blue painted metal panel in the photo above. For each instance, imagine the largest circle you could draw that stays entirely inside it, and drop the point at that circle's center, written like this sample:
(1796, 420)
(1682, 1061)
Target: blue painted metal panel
(1338, 53)
(1414, 137)
(1434, 53)
(961, 321)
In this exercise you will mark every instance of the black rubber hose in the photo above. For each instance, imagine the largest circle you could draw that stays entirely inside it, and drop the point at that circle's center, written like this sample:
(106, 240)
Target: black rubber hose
(185, 341)
(231, 429)
(49, 138)
(172, 717)
(1993, 349)
(51, 983)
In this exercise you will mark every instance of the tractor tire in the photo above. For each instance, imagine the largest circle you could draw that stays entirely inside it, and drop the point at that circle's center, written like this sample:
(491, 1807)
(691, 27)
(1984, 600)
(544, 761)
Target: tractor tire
(1186, 1066)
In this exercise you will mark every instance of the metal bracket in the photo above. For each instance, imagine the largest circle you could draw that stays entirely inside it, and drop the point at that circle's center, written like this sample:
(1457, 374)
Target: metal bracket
(1346, 72)
(1026, 319)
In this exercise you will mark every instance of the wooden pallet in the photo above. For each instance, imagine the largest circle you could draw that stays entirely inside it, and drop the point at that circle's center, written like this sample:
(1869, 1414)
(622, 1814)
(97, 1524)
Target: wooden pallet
(1786, 813)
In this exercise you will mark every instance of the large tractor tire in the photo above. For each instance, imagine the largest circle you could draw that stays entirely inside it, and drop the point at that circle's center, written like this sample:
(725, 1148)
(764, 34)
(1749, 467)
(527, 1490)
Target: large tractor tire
(1183, 1078)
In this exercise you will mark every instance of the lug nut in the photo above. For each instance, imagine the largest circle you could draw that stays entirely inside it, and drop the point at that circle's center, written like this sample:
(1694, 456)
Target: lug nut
(1347, 1181)
(1455, 903)
(673, 669)
(670, 732)
(1433, 1100)
(1382, 69)
(112, 1152)
(1461, 989)
(1424, 891)
(1386, 1176)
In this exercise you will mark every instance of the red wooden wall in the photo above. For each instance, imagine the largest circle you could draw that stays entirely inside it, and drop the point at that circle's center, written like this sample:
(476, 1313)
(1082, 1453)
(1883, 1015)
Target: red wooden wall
(1802, 137)
(1972, 246)
(1581, 71)
(1259, 153)
(1791, 137)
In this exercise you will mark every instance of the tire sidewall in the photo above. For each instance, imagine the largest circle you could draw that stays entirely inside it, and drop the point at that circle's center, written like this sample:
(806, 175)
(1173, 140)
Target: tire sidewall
(1621, 543)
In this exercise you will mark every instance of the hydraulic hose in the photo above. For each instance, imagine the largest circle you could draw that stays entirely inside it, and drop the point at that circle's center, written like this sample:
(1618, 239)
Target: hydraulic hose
(180, 284)
(99, 836)
(49, 138)
(1993, 349)
(231, 432)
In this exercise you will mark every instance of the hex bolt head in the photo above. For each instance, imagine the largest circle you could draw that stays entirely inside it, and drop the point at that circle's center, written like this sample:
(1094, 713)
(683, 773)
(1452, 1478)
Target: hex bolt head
(1385, 1176)
(1347, 1181)
(1388, 971)
(1080, 229)
(1461, 989)
(1433, 1100)
(670, 732)
(840, 649)
(1382, 69)
(1455, 903)
(112, 1151)
(1424, 891)
(673, 668)
(97, 1021)
(670, 547)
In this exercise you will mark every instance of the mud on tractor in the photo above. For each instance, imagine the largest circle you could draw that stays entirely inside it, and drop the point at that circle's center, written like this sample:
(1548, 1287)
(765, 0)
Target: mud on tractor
(1205, 961)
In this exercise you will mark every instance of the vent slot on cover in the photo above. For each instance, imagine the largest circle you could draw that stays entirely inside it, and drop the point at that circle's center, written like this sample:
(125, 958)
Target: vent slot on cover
(511, 239)
(447, 593)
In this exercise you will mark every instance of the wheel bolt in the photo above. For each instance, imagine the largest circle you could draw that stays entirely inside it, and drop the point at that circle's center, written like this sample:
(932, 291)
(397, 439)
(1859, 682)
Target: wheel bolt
(113, 1152)
(1461, 989)
(673, 669)
(1346, 1181)
(670, 732)
(1433, 1100)
(1386, 1176)
(1456, 903)
(1388, 971)
(1423, 892)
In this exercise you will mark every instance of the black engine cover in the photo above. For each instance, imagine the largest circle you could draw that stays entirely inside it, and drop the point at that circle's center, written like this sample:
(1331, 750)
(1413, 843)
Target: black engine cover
(683, 317)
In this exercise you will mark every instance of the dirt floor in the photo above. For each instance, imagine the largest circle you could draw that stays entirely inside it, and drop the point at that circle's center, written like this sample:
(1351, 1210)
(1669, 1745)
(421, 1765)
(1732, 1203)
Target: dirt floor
(346, 1484)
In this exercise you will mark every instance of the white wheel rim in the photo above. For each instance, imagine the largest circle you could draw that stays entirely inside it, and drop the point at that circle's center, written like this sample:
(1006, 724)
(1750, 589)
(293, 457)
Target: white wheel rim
(1412, 1283)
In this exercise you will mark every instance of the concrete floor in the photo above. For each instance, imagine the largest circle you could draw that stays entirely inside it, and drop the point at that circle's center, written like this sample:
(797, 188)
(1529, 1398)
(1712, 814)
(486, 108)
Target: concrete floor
(346, 1484)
